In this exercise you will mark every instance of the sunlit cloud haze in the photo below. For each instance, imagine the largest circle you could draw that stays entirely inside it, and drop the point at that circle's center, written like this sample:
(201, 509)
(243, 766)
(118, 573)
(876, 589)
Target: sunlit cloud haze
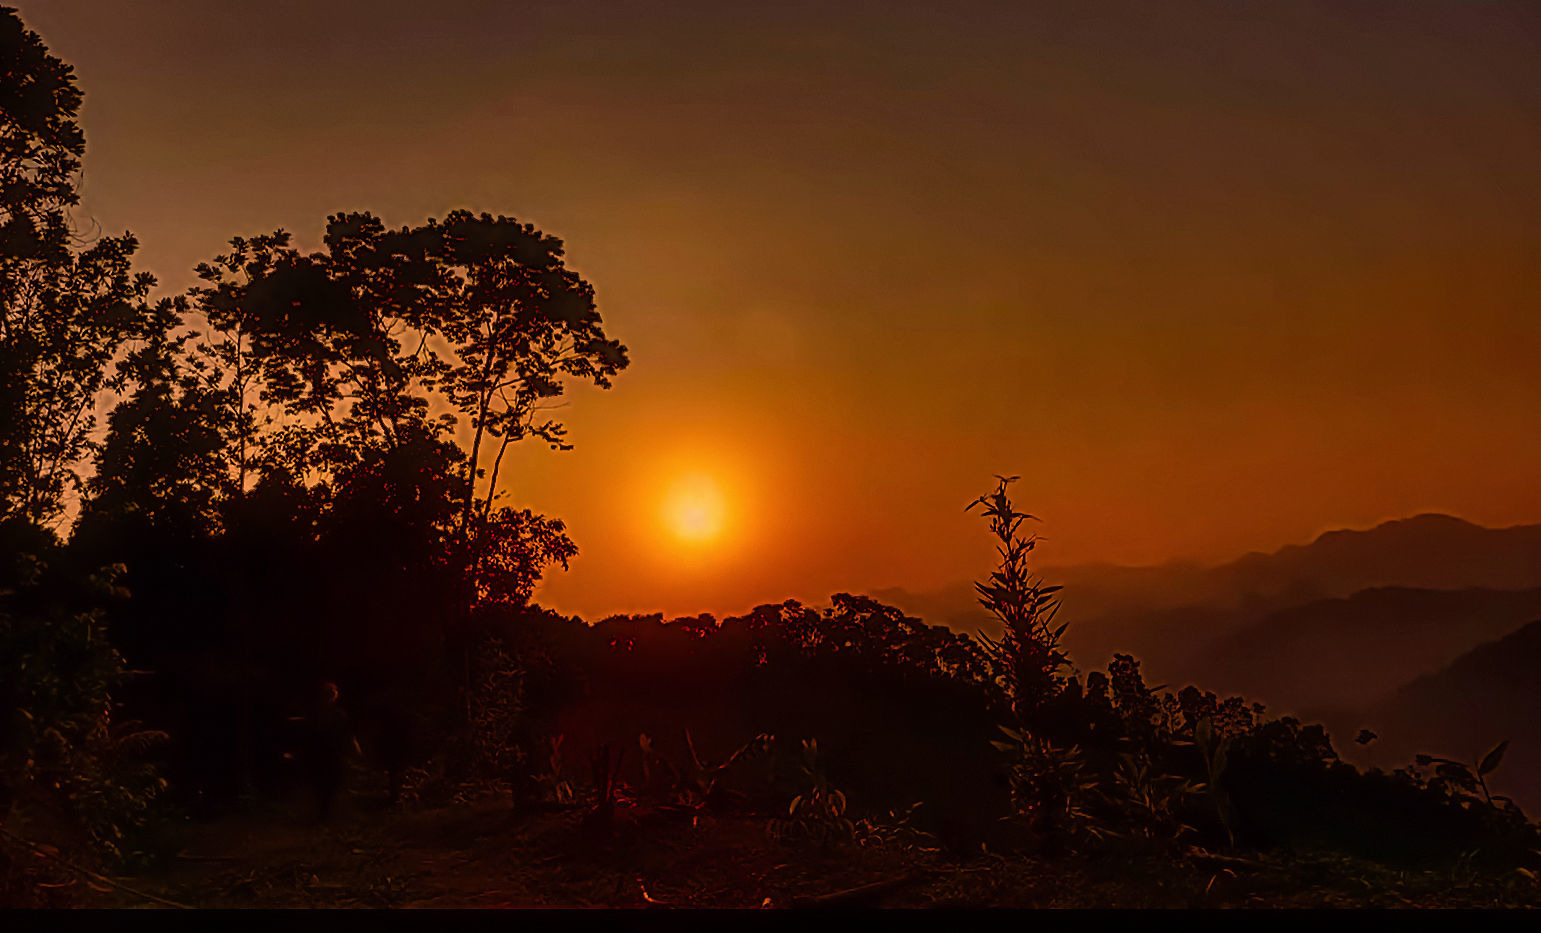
(1210, 277)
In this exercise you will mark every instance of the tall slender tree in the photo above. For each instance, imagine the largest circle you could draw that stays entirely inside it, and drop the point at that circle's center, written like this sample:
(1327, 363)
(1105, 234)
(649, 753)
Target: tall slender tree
(66, 306)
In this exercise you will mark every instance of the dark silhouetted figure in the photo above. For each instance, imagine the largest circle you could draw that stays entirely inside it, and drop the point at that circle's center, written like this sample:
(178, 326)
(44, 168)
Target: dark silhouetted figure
(329, 737)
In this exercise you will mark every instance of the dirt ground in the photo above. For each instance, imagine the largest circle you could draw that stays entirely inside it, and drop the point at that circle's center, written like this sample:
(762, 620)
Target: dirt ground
(482, 855)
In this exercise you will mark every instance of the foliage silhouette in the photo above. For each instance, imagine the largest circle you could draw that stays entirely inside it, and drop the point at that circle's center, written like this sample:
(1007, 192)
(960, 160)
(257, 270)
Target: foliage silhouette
(816, 816)
(68, 767)
(65, 311)
(1028, 657)
(281, 478)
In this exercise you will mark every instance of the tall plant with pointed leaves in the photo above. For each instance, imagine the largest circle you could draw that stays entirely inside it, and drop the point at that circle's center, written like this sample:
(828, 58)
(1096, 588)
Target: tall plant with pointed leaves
(1052, 790)
(1027, 658)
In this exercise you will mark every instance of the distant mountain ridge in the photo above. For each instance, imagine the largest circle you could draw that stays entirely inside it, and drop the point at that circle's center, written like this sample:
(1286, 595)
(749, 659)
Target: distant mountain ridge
(1350, 651)
(1429, 551)
(1487, 695)
(1168, 614)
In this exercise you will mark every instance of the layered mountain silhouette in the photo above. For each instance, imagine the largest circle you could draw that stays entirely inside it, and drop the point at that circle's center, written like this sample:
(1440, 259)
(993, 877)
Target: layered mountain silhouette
(1172, 615)
(1487, 695)
(1352, 651)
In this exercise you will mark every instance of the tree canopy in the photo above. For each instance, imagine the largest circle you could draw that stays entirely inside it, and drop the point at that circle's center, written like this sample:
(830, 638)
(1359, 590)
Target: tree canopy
(66, 306)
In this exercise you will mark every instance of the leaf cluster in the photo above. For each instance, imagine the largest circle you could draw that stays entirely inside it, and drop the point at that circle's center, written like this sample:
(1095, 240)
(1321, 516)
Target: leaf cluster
(817, 816)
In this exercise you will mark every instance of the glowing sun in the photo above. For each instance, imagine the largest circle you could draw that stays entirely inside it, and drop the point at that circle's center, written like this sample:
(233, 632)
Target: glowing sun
(694, 509)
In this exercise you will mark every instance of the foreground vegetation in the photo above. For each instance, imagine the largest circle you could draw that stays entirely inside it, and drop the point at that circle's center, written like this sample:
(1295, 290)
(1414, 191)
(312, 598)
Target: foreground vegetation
(478, 854)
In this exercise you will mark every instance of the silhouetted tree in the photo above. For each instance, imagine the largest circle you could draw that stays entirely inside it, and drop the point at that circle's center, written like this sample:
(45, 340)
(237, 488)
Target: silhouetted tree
(154, 497)
(519, 320)
(283, 478)
(511, 549)
(161, 464)
(325, 357)
(64, 311)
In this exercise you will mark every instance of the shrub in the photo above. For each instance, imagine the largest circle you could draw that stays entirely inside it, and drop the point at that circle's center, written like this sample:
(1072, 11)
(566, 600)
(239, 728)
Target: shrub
(69, 774)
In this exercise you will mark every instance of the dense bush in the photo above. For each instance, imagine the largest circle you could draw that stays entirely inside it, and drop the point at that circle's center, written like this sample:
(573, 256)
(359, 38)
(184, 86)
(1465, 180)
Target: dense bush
(72, 770)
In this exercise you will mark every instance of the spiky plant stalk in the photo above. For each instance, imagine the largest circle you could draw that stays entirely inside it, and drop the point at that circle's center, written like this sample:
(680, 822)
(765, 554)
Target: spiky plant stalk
(1027, 658)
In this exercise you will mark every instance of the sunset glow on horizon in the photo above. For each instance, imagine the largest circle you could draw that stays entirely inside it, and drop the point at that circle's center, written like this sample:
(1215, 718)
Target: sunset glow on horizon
(1211, 278)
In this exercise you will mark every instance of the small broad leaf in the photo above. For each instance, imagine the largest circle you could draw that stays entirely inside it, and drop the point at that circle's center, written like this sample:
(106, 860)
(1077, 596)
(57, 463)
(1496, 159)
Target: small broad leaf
(1492, 759)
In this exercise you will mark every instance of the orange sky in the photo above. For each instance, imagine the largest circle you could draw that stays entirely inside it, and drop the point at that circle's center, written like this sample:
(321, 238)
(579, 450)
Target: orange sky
(1211, 277)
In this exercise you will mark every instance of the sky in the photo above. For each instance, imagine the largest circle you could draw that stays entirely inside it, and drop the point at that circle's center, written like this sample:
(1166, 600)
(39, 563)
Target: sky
(1209, 277)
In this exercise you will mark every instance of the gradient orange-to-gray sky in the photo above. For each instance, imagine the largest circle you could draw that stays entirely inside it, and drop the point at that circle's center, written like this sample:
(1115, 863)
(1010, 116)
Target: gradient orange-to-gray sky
(1211, 277)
